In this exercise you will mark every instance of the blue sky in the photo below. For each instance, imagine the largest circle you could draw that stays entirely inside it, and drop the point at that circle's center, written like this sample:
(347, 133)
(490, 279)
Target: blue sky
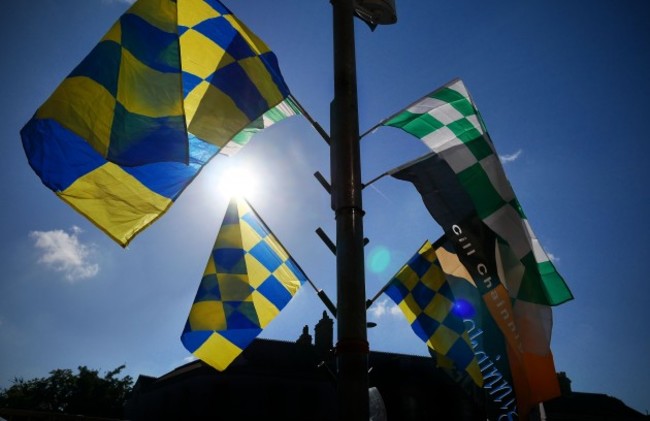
(562, 86)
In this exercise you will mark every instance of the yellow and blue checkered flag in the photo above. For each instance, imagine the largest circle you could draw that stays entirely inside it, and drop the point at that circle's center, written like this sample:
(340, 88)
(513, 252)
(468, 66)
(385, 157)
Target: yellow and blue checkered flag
(170, 85)
(249, 278)
(421, 290)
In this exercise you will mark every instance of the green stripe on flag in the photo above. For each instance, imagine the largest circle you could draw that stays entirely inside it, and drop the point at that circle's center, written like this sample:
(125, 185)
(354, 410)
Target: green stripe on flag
(448, 95)
(284, 109)
(531, 288)
(472, 138)
(456, 100)
(542, 284)
(517, 206)
(484, 181)
(556, 290)
(402, 119)
(483, 194)
(419, 125)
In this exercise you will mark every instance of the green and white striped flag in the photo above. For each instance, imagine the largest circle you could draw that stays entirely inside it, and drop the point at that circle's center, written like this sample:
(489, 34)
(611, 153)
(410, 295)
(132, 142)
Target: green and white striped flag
(448, 122)
(284, 109)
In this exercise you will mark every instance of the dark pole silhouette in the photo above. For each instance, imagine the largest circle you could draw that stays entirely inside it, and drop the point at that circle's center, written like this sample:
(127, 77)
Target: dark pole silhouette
(352, 345)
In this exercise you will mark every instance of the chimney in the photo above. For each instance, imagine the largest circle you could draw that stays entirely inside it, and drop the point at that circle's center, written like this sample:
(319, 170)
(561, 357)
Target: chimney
(305, 337)
(565, 383)
(324, 332)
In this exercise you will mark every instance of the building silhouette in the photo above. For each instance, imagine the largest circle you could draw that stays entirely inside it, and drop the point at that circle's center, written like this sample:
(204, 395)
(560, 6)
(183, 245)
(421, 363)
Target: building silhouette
(580, 406)
(296, 381)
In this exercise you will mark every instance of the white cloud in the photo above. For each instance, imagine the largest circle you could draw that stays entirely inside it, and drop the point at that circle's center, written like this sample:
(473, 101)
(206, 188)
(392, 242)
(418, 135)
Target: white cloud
(384, 307)
(62, 252)
(553, 257)
(510, 158)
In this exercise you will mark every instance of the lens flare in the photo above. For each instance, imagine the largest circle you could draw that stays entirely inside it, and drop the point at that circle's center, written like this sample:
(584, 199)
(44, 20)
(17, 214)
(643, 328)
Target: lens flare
(379, 259)
(463, 309)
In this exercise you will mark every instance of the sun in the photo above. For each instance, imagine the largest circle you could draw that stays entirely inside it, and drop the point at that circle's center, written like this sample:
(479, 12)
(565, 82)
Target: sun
(238, 181)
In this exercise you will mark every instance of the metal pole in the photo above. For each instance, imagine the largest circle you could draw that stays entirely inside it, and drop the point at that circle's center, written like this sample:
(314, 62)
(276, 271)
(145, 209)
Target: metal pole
(352, 345)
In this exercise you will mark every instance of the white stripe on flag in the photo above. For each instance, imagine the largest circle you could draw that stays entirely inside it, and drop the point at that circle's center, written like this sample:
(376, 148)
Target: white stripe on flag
(446, 113)
(540, 254)
(458, 158)
(510, 269)
(459, 86)
(507, 223)
(477, 125)
(438, 140)
(492, 167)
(425, 106)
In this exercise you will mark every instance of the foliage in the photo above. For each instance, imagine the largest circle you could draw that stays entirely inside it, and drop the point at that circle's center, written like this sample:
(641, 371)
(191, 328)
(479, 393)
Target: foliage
(85, 393)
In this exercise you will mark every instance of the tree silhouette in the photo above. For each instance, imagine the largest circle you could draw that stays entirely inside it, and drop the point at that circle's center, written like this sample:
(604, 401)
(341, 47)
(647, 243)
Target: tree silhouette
(84, 393)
